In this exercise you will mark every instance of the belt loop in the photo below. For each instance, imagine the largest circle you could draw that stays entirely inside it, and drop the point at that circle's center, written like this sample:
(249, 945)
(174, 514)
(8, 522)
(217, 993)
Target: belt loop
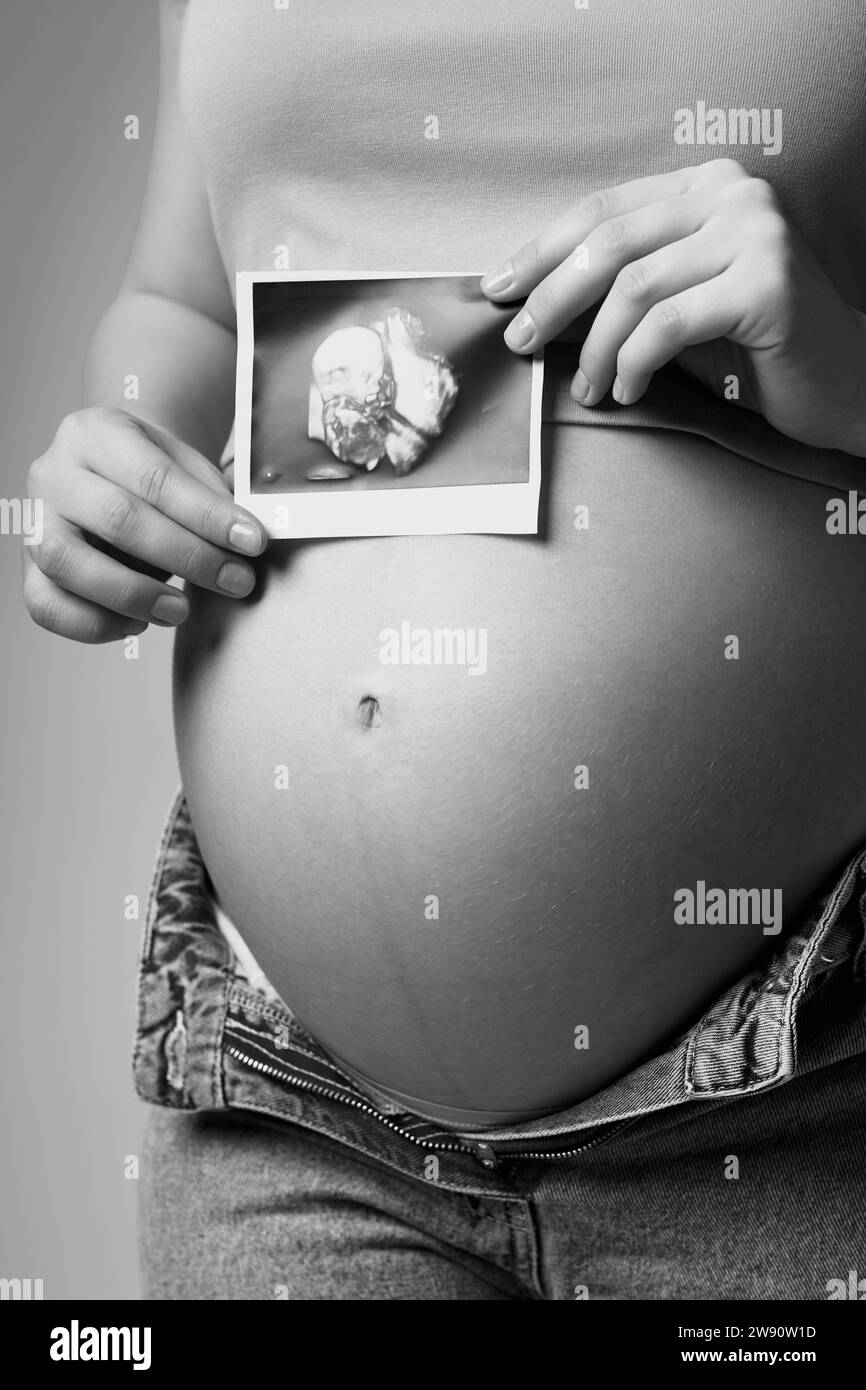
(175, 1052)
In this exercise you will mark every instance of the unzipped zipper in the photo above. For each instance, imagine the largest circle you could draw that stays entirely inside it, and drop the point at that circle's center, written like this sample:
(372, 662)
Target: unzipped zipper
(483, 1153)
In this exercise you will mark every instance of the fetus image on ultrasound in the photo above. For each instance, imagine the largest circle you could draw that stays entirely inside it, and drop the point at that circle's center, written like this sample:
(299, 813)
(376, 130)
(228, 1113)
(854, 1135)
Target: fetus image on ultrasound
(383, 405)
(380, 392)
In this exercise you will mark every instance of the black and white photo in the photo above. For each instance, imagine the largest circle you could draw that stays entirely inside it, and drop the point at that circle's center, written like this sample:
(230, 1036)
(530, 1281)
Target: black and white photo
(382, 405)
(432, 709)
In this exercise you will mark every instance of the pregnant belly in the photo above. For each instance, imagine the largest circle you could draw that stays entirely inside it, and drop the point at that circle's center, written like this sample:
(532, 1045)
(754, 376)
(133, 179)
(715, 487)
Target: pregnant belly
(462, 877)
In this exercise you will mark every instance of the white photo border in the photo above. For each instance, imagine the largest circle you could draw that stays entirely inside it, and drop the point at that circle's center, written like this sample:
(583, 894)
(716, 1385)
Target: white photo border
(486, 508)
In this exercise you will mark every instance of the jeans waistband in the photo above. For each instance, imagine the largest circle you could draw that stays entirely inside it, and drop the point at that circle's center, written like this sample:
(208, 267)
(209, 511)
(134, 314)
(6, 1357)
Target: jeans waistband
(208, 1039)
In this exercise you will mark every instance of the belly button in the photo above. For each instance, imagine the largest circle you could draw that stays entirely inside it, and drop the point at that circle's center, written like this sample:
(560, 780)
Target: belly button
(368, 713)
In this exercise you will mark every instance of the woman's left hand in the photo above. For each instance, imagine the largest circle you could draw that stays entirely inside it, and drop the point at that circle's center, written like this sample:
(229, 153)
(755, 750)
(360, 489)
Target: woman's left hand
(699, 266)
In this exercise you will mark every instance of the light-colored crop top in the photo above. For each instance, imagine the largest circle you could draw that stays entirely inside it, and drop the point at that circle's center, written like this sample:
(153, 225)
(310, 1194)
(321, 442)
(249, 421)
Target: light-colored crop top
(405, 135)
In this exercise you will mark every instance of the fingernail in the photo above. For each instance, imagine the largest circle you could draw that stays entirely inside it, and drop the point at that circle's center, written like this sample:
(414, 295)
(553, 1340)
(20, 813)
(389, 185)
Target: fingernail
(170, 608)
(618, 391)
(245, 537)
(235, 579)
(499, 280)
(580, 387)
(521, 331)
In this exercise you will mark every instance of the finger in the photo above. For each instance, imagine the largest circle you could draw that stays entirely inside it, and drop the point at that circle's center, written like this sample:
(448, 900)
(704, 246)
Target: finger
(132, 527)
(697, 315)
(538, 257)
(585, 275)
(637, 287)
(161, 477)
(71, 564)
(192, 462)
(55, 610)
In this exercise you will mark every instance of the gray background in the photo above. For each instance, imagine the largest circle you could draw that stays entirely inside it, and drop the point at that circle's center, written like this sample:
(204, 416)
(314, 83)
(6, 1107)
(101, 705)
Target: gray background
(88, 764)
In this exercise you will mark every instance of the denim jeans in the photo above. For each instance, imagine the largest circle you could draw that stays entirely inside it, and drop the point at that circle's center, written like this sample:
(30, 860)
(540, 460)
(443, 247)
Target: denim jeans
(729, 1167)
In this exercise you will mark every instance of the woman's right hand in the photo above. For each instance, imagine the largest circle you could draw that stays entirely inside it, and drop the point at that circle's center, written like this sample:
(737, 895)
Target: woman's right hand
(125, 506)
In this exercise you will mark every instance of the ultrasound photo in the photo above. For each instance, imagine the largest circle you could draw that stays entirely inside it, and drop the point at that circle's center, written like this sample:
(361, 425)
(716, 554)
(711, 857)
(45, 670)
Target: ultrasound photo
(382, 405)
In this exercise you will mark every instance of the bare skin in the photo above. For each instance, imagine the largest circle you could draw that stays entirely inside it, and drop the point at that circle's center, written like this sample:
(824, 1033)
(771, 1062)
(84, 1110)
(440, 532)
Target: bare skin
(555, 905)
(133, 497)
(604, 649)
(701, 267)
